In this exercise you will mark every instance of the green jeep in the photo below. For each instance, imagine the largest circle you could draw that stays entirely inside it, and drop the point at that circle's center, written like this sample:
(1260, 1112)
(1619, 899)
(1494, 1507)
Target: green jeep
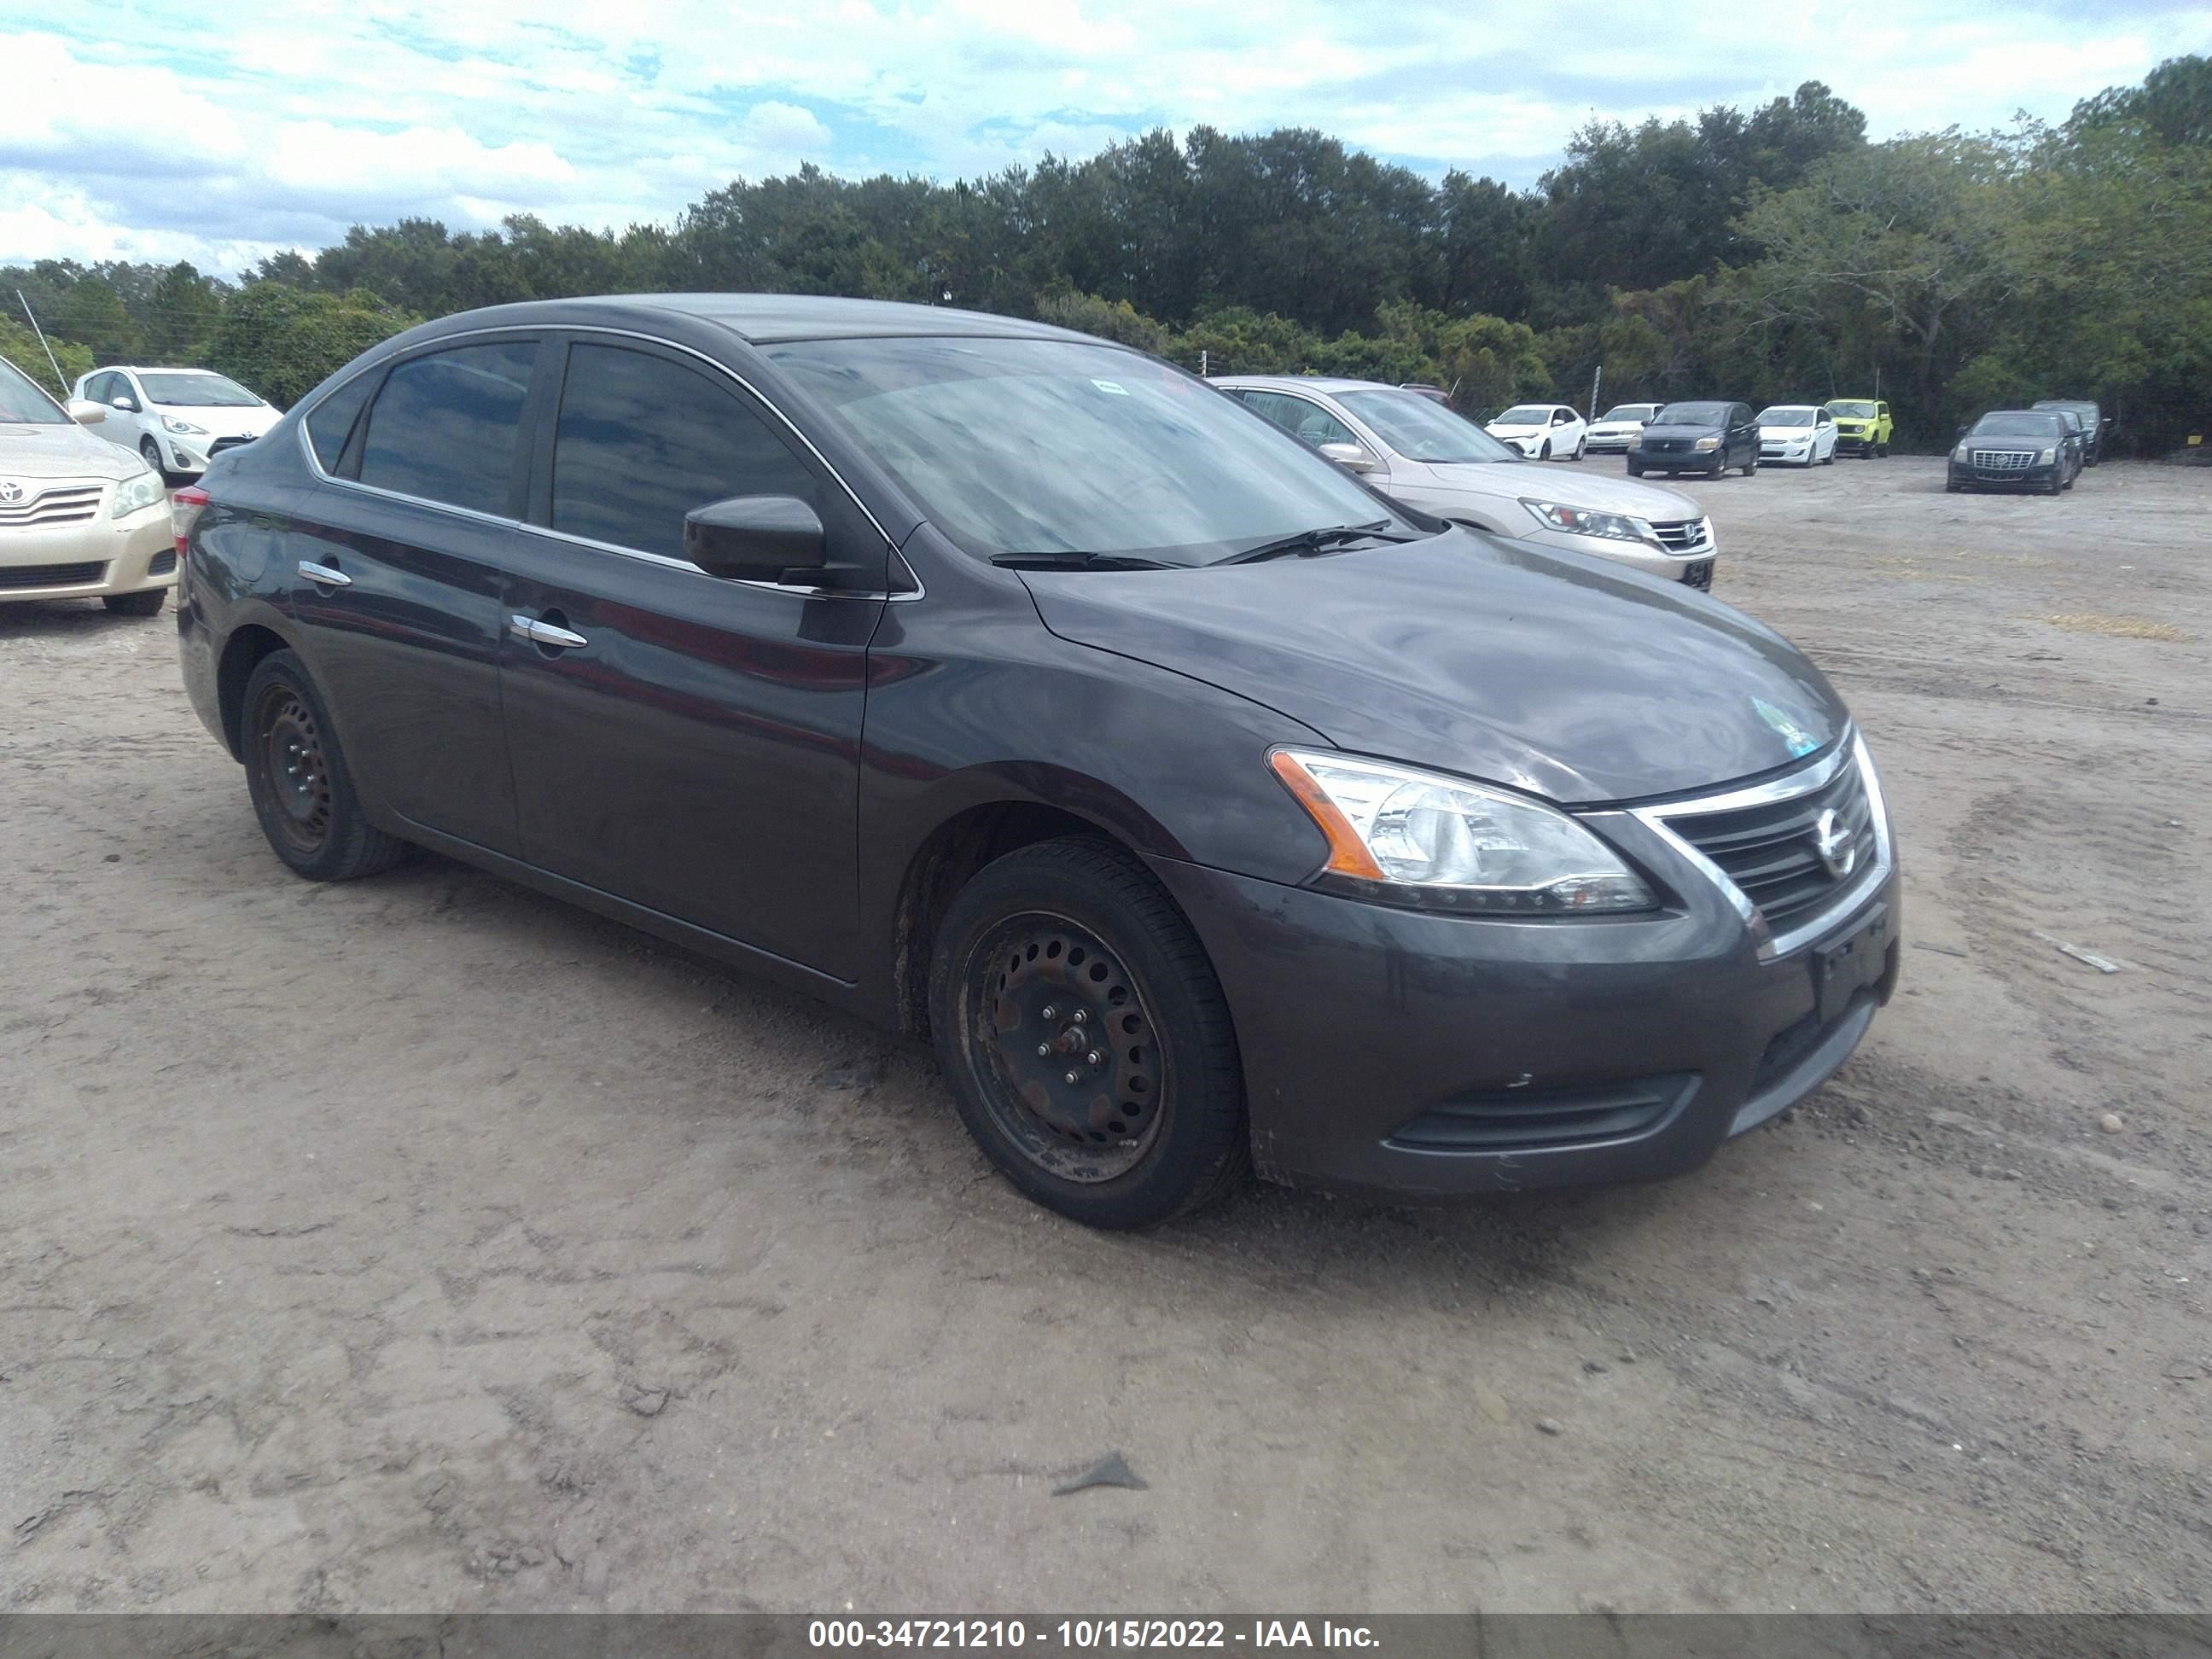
(1863, 425)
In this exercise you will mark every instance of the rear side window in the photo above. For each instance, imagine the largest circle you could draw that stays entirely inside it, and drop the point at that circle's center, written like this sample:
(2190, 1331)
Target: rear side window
(445, 426)
(1295, 415)
(331, 423)
(642, 441)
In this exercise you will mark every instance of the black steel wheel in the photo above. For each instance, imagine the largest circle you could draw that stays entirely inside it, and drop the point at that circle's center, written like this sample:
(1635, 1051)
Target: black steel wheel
(1085, 1038)
(295, 773)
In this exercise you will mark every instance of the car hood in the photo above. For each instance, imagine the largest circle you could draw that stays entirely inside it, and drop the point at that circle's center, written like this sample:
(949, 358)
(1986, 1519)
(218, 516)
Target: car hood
(1496, 431)
(1567, 676)
(1656, 430)
(63, 451)
(1600, 492)
(221, 420)
(1786, 433)
(1618, 426)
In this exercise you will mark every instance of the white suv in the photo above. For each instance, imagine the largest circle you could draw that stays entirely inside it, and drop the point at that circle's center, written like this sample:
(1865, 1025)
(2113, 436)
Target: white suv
(1429, 457)
(175, 417)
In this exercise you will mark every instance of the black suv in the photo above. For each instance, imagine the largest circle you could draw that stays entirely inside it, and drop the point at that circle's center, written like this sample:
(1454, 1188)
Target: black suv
(1010, 688)
(1698, 437)
(2094, 422)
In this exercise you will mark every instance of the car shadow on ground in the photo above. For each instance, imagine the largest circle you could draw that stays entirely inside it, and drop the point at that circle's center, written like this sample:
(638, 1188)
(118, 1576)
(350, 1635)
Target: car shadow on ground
(70, 619)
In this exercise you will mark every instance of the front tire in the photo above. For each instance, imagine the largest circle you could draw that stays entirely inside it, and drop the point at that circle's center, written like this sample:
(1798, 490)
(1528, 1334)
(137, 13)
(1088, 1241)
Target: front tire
(1634, 471)
(146, 603)
(1064, 960)
(151, 452)
(1544, 453)
(296, 775)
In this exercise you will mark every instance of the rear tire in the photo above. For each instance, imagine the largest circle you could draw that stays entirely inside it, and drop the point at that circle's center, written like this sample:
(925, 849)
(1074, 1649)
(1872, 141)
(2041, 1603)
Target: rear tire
(1042, 951)
(296, 773)
(1751, 467)
(147, 602)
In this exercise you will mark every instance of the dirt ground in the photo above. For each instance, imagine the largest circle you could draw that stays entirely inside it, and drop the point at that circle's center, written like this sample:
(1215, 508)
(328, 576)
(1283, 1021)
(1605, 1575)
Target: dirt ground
(422, 1243)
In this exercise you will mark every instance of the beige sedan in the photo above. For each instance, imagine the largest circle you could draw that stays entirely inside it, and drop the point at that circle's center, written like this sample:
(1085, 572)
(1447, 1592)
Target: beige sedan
(79, 519)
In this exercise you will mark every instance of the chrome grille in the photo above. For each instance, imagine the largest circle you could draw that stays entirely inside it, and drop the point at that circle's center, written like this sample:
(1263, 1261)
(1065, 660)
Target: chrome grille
(1683, 535)
(65, 504)
(1768, 848)
(2004, 460)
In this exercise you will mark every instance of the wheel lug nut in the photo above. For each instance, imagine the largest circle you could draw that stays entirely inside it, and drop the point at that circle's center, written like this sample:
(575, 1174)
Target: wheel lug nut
(1082, 1014)
(1044, 1048)
(1094, 1056)
(1070, 1077)
(1050, 1012)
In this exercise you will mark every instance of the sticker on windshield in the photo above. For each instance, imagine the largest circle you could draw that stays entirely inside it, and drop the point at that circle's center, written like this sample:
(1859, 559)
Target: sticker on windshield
(1113, 386)
(1801, 741)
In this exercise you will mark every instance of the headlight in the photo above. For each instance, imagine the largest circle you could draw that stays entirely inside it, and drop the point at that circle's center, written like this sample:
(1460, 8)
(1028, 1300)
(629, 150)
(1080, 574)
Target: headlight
(135, 493)
(2048, 456)
(1964, 451)
(172, 423)
(1580, 521)
(1707, 443)
(1416, 838)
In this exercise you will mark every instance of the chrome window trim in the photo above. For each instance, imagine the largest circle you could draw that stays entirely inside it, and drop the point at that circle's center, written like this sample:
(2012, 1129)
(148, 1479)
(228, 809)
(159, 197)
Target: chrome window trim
(539, 331)
(1851, 751)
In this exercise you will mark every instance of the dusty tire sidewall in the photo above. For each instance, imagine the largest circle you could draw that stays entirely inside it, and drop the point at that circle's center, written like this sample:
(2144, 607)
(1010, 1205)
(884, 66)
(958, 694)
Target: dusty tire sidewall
(284, 668)
(1157, 1188)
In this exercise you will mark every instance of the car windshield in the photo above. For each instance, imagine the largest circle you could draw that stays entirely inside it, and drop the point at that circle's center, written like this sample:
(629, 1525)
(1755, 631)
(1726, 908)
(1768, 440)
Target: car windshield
(197, 392)
(1054, 446)
(22, 403)
(2016, 423)
(1421, 430)
(1785, 417)
(1862, 411)
(1525, 414)
(1692, 415)
(1629, 412)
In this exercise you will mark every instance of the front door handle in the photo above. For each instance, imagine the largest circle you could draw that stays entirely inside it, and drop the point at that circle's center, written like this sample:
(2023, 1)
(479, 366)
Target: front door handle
(324, 575)
(543, 633)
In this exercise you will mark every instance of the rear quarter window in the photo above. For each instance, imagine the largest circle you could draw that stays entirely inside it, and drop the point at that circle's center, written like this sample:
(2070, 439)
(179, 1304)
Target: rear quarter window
(331, 423)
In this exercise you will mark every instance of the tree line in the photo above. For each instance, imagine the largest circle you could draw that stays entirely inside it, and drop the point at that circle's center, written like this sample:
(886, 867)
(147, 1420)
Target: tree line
(1766, 254)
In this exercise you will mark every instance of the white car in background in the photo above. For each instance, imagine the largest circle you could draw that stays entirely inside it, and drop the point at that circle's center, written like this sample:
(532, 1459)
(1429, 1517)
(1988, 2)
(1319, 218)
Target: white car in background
(1423, 454)
(1612, 432)
(1796, 434)
(1542, 432)
(79, 519)
(175, 418)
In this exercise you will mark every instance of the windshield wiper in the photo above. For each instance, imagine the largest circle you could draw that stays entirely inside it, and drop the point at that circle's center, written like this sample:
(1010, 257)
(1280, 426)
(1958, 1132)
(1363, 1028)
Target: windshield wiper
(1307, 542)
(1078, 561)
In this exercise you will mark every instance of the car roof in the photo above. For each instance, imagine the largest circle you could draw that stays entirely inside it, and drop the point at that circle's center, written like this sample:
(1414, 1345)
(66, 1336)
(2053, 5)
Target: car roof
(156, 368)
(1306, 383)
(761, 319)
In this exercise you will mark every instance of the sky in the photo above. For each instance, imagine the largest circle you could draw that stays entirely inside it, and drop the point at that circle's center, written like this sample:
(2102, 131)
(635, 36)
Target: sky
(171, 128)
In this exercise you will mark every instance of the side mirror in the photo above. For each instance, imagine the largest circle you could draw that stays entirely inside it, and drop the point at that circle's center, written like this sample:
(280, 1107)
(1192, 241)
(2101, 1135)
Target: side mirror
(1352, 458)
(128, 405)
(762, 538)
(85, 412)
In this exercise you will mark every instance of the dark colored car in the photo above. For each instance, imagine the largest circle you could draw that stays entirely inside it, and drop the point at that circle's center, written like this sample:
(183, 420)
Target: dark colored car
(1014, 689)
(1697, 437)
(2094, 421)
(2016, 449)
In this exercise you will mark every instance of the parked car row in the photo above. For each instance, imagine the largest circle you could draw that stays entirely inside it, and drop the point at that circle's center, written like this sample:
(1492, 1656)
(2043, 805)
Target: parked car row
(1202, 801)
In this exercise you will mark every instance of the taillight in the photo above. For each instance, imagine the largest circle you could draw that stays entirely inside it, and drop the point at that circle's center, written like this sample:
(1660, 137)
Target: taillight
(185, 507)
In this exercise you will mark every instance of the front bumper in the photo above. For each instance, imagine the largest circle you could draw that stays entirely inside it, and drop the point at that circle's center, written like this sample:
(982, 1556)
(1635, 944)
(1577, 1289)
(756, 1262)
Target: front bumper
(1849, 442)
(1397, 1053)
(1610, 443)
(1694, 565)
(1785, 455)
(90, 559)
(1676, 460)
(2038, 476)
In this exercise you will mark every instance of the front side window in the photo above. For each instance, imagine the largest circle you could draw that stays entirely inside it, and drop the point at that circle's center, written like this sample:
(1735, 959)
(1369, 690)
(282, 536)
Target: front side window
(1059, 447)
(1306, 419)
(1424, 431)
(197, 392)
(445, 426)
(642, 441)
(22, 403)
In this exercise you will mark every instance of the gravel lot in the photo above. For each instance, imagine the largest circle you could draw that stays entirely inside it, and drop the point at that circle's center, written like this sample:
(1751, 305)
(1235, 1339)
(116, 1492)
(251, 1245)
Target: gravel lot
(424, 1243)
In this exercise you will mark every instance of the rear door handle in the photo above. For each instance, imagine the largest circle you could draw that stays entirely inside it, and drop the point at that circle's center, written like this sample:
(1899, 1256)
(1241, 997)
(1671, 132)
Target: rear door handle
(542, 632)
(324, 575)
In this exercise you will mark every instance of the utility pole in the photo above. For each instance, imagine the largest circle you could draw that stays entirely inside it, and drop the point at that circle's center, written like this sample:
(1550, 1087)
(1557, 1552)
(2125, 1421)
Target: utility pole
(59, 380)
(1202, 363)
(1597, 380)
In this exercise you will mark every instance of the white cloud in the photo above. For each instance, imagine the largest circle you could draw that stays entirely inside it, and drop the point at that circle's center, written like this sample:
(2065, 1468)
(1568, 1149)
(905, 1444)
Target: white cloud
(244, 135)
